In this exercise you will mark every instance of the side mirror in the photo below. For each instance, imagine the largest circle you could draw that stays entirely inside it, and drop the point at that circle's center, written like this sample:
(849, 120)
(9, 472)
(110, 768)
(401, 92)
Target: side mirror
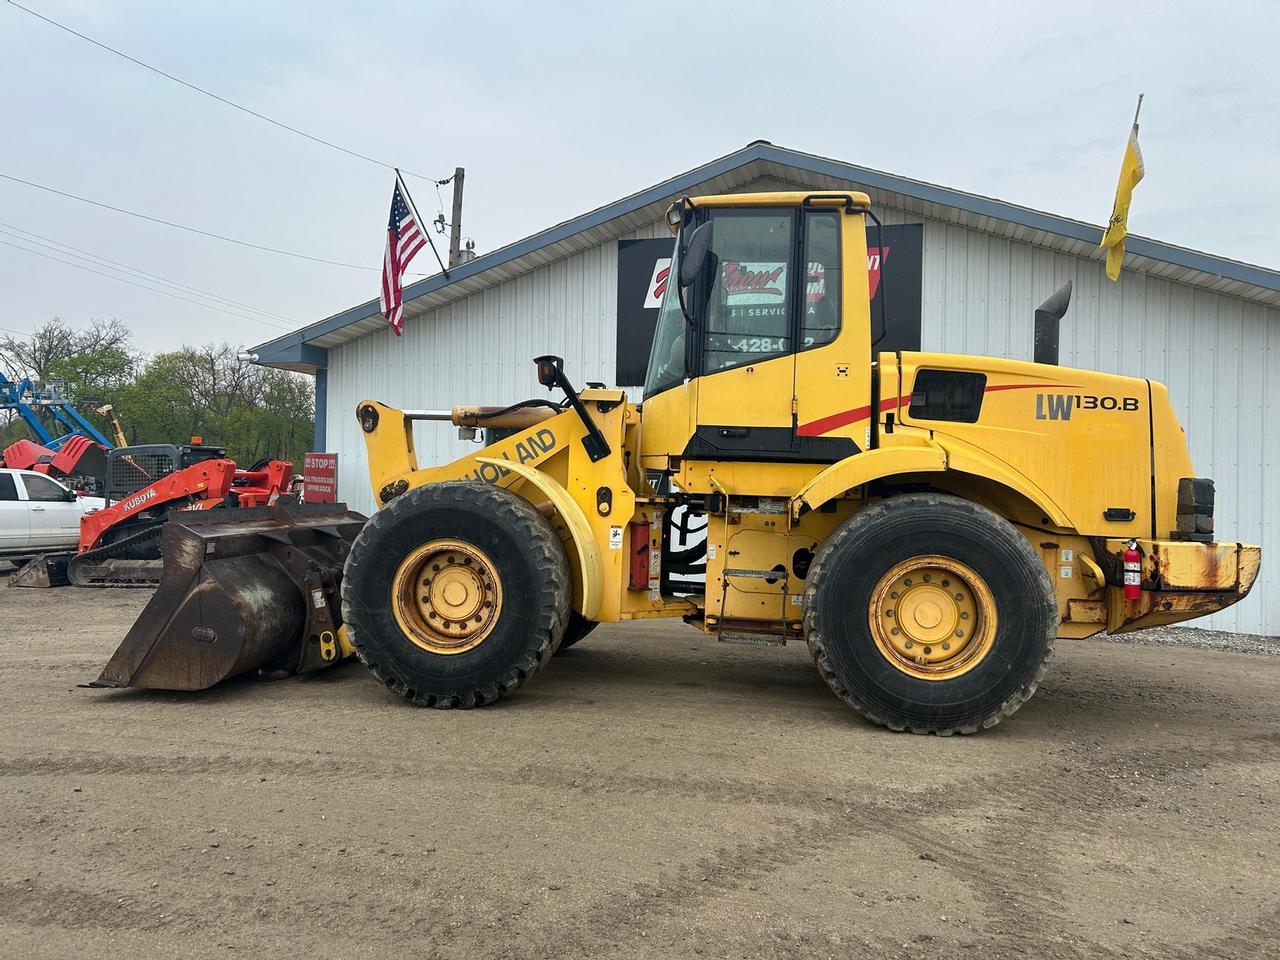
(695, 254)
(70, 496)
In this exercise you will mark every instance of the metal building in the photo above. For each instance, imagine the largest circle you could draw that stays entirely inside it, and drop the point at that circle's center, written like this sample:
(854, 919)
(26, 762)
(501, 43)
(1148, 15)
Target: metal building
(1206, 326)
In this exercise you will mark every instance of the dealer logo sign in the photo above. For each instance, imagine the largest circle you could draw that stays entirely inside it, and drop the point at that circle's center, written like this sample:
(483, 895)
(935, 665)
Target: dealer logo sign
(657, 283)
(757, 278)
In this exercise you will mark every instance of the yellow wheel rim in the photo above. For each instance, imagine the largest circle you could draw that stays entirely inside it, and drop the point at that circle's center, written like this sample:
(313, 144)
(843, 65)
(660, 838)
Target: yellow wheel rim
(933, 617)
(446, 596)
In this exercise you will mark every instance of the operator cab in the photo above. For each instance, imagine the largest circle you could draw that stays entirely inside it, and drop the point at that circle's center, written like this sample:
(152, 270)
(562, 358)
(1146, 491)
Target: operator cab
(766, 290)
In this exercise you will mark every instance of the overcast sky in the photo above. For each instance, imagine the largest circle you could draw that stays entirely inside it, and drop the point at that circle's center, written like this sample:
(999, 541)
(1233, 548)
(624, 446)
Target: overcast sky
(558, 108)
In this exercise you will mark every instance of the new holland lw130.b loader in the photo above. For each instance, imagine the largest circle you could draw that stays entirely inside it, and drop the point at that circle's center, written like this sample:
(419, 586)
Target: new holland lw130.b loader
(927, 523)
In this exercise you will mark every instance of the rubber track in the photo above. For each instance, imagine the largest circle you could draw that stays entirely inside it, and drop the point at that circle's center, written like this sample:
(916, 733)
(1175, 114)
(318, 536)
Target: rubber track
(106, 553)
(551, 601)
(883, 512)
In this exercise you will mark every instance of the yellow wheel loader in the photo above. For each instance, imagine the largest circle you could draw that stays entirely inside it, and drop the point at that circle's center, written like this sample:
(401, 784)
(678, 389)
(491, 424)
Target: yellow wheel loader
(929, 524)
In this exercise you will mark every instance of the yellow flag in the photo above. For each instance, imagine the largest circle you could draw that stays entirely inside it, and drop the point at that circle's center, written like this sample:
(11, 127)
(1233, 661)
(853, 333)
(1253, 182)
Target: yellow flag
(1131, 171)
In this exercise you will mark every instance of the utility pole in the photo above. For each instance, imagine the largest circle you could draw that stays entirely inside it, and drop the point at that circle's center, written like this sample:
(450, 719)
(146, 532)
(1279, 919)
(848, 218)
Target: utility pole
(455, 222)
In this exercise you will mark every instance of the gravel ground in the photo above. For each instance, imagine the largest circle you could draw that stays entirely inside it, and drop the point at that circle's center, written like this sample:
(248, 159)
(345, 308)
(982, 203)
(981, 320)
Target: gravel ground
(1203, 640)
(651, 794)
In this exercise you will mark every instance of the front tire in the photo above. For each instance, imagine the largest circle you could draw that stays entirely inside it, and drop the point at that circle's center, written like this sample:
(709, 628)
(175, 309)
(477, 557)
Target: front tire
(929, 613)
(455, 594)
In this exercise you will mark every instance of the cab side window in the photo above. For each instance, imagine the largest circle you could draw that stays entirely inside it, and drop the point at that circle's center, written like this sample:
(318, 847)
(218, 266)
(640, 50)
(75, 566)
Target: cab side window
(824, 279)
(749, 302)
(8, 489)
(42, 489)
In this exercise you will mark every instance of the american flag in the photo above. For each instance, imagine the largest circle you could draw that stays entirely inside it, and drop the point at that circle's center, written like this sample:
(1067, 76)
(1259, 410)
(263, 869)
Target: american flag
(404, 240)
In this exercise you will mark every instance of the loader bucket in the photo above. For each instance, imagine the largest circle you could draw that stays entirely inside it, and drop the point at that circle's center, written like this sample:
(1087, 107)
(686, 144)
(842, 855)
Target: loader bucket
(46, 570)
(242, 590)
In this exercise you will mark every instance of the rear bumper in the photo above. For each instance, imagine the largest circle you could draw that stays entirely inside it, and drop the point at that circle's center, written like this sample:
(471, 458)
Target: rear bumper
(1181, 580)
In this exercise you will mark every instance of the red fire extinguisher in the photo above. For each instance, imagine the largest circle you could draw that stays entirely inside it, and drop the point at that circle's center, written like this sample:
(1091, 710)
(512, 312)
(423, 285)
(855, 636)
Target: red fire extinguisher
(1132, 571)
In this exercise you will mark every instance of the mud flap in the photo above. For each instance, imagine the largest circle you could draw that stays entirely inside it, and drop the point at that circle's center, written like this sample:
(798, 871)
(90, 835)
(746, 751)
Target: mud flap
(242, 590)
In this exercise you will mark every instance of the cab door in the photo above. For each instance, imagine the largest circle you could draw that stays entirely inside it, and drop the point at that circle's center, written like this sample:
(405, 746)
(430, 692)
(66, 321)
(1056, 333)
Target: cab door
(746, 365)
(784, 369)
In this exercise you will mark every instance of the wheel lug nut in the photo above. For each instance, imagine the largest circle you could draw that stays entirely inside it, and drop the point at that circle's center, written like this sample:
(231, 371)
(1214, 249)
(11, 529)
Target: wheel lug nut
(888, 613)
(946, 645)
(946, 583)
(959, 596)
(927, 578)
(964, 616)
(894, 595)
(959, 633)
(928, 650)
(909, 644)
(907, 581)
(894, 631)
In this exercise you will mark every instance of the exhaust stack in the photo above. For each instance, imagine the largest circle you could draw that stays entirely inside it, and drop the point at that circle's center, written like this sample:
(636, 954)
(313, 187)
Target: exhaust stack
(1048, 319)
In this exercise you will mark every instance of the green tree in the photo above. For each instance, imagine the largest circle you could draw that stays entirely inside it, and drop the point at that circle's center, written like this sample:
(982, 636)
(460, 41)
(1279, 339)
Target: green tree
(94, 363)
(254, 412)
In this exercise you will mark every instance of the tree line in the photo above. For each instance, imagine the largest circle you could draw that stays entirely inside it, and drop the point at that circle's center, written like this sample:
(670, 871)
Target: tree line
(169, 397)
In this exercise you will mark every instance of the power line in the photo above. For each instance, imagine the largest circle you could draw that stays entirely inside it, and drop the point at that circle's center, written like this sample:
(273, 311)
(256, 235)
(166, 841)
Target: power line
(181, 226)
(195, 230)
(223, 100)
(29, 236)
(165, 293)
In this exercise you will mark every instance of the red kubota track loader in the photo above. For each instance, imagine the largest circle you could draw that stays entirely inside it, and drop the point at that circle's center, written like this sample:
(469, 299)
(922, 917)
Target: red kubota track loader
(120, 544)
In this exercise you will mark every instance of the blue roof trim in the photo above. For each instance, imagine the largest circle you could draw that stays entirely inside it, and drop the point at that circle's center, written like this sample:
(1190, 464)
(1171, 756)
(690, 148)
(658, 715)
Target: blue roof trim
(292, 349)
(288, 347)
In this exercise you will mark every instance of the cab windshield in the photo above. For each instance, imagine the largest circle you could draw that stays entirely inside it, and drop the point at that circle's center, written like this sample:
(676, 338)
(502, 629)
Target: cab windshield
(666, 358)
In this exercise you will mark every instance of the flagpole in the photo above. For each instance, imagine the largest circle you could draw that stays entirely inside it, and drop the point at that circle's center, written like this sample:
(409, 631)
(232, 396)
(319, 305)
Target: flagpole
(422, 224)
(1139, 110)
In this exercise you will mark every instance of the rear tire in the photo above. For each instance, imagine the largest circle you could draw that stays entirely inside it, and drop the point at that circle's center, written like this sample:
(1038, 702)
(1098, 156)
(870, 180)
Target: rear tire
(499, 616)
(999, 632)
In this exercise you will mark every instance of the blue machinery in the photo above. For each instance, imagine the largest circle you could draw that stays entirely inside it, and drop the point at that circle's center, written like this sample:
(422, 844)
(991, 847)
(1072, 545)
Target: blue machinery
(27, 397)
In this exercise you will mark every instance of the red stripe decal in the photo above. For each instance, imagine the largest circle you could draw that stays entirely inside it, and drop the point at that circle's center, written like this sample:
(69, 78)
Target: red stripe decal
(816, 428)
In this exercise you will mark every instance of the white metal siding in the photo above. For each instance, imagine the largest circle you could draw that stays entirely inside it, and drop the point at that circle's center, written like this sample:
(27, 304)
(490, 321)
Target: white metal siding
(1218, 355)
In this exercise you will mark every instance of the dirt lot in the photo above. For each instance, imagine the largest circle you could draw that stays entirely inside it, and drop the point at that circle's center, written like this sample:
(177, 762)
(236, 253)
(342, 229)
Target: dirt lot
(663, 797)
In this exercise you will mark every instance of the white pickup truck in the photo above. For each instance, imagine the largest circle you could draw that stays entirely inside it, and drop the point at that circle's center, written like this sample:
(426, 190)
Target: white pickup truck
(38, 514)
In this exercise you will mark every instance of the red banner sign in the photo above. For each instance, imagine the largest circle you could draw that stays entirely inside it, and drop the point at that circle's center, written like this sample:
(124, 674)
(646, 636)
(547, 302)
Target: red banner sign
(320, 477)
